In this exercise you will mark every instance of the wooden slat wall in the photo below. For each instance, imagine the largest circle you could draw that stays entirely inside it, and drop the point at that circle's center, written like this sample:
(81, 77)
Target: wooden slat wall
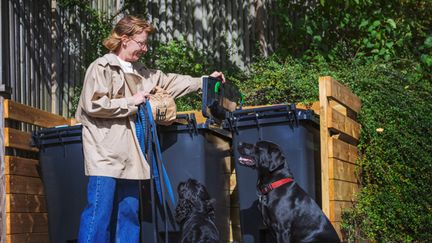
(23, 210)
(42, 59)
(216, 26)
(339, 135)
(19, 112)
(2, 178)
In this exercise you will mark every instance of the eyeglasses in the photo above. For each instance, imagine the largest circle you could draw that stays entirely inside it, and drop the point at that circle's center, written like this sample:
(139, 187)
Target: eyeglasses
(142, 44)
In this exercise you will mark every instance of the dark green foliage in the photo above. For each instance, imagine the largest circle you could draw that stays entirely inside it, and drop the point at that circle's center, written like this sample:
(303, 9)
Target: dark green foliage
(396, 198)
(75, 99)
(274, 80)
(363, 30)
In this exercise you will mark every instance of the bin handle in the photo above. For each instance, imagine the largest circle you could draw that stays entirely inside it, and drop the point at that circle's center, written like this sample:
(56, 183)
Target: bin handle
(242, 100)
(217, 87)
(192, 122)
(260, 137)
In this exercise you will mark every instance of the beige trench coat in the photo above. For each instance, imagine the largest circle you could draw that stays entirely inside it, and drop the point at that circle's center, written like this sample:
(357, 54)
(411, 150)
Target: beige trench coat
(107, 114)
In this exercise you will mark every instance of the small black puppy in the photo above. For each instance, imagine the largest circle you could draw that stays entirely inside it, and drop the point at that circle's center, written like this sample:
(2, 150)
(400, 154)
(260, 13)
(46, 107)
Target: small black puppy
(287, 210)
(195, 213)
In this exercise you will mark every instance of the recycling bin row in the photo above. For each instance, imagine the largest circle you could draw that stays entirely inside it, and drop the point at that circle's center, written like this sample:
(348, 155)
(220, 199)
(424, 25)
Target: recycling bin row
(189, 150)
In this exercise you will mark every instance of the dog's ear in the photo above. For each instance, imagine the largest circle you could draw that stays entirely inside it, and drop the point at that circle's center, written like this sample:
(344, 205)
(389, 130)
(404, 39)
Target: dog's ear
(278, 159)
(210, 208)
(183, 210)
(180, 188)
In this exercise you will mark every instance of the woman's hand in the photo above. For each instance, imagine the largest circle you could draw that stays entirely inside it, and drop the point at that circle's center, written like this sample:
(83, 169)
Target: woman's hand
(218, 75)
(140, 97)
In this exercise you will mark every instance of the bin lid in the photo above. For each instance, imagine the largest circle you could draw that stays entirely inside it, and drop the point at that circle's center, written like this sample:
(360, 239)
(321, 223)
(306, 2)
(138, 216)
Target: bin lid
(269, 115)
(219, 99)
(57, 135)
(187, 122)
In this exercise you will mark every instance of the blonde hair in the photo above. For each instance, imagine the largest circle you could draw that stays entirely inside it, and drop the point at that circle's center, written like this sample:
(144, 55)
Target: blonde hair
(128, 25)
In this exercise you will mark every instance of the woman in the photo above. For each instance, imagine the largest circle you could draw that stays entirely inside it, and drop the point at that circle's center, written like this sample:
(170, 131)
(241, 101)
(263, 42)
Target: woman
(113, 87)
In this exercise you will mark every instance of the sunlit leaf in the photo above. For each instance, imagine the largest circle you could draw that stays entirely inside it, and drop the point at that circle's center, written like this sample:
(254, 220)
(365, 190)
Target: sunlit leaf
(392, 23)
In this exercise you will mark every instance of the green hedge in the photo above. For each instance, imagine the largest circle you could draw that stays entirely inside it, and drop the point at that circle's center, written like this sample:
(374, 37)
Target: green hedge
(396, 164)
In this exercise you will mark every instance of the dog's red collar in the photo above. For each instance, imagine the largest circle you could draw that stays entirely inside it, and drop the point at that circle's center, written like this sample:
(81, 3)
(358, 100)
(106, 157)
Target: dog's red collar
(267, 188)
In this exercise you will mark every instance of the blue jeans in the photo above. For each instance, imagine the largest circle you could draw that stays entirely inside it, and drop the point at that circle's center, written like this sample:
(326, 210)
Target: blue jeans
(112, 211)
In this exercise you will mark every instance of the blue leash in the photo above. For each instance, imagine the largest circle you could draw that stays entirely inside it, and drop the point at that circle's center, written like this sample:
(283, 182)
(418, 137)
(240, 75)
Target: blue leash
(146, 134)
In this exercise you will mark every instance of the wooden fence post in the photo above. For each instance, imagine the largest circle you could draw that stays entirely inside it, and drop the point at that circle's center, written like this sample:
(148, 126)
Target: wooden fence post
(2, 177)
(339, 136)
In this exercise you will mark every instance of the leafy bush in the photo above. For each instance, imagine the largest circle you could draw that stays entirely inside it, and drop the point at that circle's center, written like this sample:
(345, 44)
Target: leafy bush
(274, 80)
(360, 29)
(395, 201)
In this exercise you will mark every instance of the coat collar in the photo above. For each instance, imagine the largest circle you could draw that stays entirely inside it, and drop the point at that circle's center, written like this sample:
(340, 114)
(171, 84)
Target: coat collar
(133, 80)
(112, 60)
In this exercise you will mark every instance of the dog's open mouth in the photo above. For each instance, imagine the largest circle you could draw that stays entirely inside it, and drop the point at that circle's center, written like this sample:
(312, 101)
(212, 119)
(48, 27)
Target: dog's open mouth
(247, 161)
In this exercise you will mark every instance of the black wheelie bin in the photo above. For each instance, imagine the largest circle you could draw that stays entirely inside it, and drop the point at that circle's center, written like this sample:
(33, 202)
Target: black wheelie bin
(195, 151)
(201, 151)
(62, 172)
(296, 131)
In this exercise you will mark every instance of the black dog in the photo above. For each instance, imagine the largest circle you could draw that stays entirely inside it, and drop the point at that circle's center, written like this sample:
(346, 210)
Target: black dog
(195, 213)
(287, 210)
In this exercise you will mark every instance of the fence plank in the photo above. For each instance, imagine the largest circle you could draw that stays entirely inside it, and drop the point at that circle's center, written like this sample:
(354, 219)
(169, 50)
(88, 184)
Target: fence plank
(21, 166)
(339, 207)
(22, 203)
(17, 139)
(340, 123)
(29, 238)
(342, 94)
(24, 185)
(343, 151)
(341, 170)
(27, 223)
(338, 108)
(343, 190)
(19, 112)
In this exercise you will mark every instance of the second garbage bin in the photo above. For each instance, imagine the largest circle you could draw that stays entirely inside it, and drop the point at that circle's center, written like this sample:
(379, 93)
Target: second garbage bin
(297, 133)
(195, 151)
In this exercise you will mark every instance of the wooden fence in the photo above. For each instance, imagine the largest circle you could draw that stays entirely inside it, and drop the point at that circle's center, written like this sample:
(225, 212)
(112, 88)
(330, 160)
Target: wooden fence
(340, 133)
(42, 44)
(23, 212)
